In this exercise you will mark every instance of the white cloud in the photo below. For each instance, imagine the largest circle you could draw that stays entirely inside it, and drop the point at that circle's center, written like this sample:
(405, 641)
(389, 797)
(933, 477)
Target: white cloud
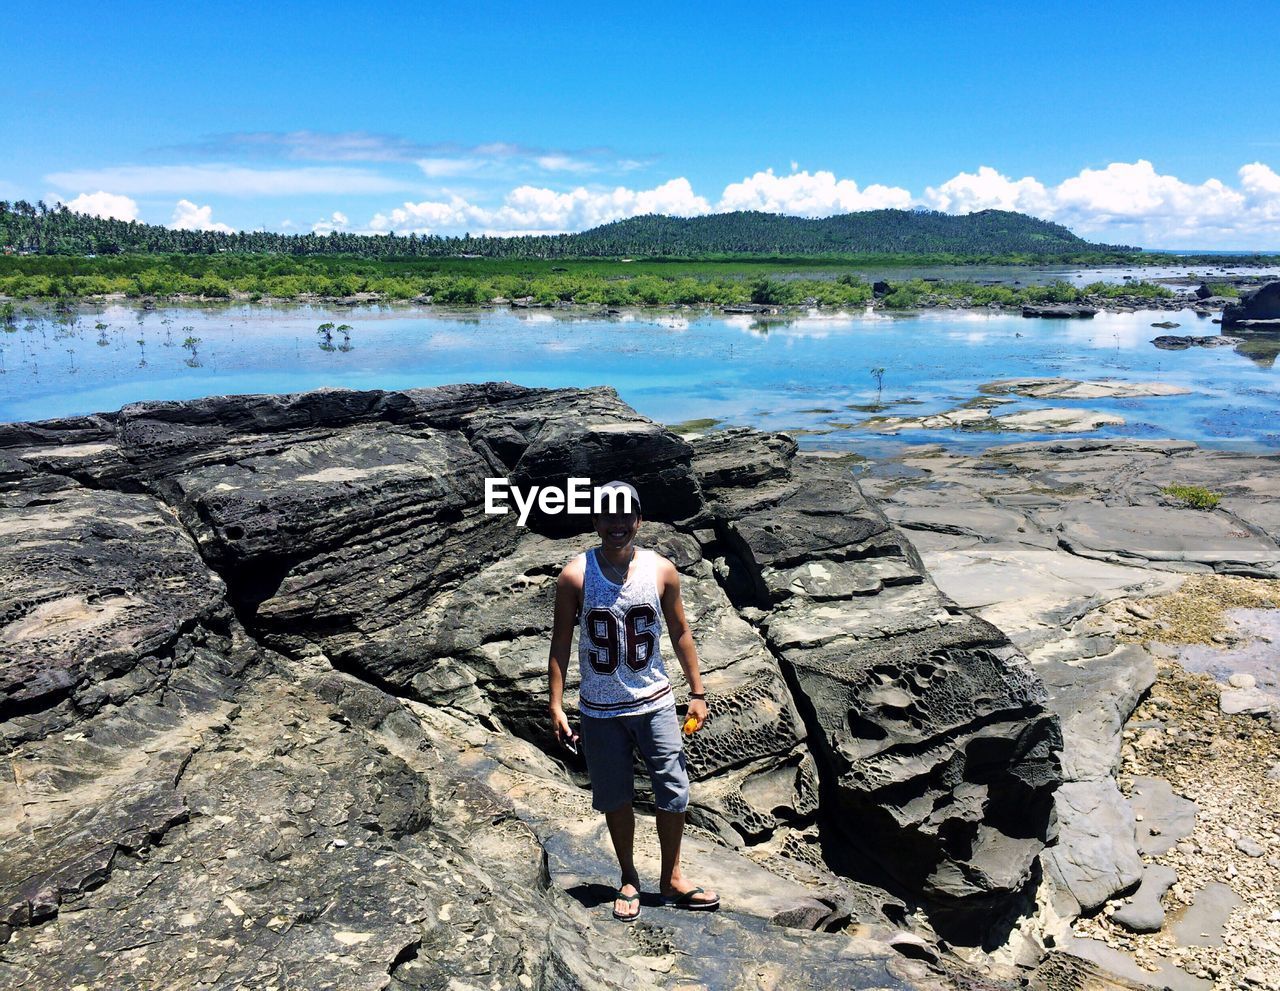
(530, 209)
(987, 190)
(1131, 202)
(435, 168)
(228, 180)
(187, 216)
(803, 194)
(1261, 187)
(1127, 191)
(337, 222)
(564, 163)
(102, 204)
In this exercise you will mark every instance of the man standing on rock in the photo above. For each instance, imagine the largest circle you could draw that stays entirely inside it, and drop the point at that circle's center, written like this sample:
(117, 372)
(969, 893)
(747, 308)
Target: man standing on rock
(615, 595)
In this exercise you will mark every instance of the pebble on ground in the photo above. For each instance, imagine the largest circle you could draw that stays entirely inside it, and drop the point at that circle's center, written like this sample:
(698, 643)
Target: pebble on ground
(1220, 762)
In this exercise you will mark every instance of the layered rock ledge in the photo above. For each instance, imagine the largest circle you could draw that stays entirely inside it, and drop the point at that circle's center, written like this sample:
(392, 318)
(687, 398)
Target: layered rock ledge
(271, 696)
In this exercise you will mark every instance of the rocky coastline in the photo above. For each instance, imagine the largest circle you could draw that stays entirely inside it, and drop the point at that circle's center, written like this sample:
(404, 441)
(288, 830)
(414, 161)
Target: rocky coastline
(271, 693)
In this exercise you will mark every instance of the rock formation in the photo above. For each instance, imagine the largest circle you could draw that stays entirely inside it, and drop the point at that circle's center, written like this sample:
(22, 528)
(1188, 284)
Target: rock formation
(1258, 308)
(272, 689)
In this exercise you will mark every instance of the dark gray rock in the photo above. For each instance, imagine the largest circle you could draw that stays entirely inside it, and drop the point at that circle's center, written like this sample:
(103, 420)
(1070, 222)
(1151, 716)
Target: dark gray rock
(901, 690)
(1180, 342)
(273, 701)
(1060, 310)
(1257, 307)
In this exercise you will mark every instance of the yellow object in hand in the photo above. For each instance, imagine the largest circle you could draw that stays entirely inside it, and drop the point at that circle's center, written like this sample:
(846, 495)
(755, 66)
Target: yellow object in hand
(690, 725)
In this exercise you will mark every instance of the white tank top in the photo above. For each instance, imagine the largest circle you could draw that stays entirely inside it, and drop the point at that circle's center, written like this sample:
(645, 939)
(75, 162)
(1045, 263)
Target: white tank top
(619, 641)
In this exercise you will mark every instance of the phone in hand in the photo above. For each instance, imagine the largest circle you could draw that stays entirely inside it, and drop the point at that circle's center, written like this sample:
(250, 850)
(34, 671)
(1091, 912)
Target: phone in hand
(570, 742)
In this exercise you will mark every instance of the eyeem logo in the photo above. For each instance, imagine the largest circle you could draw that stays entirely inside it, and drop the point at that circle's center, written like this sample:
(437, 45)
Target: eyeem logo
(578, 497)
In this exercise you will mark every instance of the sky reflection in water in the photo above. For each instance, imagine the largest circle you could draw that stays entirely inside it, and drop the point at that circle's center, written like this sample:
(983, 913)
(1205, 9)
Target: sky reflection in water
(800, 374)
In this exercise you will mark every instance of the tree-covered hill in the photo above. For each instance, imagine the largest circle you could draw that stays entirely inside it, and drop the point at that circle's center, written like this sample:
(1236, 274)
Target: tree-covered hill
(997, 232)
(25, 228)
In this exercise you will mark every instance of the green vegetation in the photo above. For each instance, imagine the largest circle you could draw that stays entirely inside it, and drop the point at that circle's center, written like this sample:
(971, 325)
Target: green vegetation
(452, 281)
(1195, 496)
(919, 292)
(1224, 289)
(40, 230)
(445, 280)
(723, 259)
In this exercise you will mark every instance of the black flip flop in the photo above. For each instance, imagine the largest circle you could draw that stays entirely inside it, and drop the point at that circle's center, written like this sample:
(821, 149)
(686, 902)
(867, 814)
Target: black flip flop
(686, 901)
(627, 898)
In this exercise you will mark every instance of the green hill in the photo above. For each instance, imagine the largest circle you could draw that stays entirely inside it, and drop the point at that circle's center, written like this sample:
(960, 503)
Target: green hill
(989, 232)
(37, 230)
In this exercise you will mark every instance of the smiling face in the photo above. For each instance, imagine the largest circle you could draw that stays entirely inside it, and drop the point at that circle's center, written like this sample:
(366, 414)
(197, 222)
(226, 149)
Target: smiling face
(617, 530)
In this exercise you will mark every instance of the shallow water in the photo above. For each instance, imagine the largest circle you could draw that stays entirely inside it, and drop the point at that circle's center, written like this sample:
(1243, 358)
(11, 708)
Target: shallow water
(797, 374)
(1039, 275)
(1258, 654)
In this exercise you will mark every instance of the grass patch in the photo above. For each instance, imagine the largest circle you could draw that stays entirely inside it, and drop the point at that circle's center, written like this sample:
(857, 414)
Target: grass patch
(1195, 496)
(693, 426)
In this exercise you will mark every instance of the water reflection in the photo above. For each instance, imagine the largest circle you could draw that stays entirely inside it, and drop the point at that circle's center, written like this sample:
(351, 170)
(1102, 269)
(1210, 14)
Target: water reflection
(809, 372)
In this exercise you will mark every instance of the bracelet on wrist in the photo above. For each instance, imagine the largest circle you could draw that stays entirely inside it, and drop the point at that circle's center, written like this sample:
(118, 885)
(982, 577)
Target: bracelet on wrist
(698, 695)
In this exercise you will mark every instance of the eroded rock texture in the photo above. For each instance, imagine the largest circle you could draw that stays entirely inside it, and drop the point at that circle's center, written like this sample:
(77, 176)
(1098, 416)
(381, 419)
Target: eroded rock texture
(273, 689)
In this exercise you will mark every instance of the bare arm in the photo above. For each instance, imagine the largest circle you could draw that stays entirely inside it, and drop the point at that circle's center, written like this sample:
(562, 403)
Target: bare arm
(568, 592)
(681, 636)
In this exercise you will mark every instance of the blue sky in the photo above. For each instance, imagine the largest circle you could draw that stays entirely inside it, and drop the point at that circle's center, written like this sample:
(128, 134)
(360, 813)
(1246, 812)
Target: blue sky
(444, 117)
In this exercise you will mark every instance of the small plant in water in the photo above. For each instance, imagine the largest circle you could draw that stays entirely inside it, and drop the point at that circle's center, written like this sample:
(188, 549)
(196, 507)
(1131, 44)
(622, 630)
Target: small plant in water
(1195, 496)
(878, 375)
(192, 344)
(345, 330)
(325, 331)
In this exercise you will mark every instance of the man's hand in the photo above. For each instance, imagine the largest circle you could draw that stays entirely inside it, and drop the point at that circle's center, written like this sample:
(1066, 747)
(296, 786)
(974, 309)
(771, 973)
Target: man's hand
(698, 711)
(560, 725)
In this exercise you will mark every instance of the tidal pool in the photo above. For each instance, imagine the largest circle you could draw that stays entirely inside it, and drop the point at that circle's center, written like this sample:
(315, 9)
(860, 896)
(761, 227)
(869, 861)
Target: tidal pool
(811, 374)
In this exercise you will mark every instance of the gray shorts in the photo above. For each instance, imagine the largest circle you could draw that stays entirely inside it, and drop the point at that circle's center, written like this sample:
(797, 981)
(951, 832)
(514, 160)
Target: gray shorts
(607, 746)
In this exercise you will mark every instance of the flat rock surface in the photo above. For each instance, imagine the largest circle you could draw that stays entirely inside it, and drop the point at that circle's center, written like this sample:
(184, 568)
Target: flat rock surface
(1145, 913)
(1064, 388)
(1050, 420)
(1034, 535)
(1096, 855)
(1201, 923)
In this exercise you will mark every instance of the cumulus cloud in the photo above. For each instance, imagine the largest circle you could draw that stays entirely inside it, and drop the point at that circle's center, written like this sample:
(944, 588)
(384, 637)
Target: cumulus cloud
(101, 204)
(802, 194)
(1122, 202)
(1130, 201)
(987, 189)
(229, 180)
(531, 209)
(187, 216)
(336, 222)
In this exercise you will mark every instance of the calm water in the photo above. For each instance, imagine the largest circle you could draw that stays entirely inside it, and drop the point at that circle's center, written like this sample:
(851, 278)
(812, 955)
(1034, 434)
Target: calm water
(801, 374)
